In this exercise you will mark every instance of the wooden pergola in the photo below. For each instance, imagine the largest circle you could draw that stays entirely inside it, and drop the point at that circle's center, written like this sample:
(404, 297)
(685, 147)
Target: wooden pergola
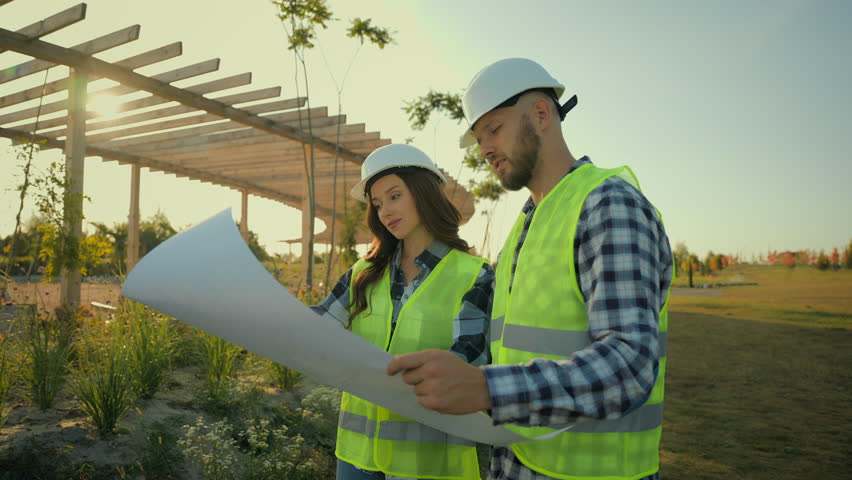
(262, 147)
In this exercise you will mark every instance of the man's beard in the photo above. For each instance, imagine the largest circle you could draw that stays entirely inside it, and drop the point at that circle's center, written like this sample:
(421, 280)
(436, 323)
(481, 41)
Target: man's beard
(523, 164)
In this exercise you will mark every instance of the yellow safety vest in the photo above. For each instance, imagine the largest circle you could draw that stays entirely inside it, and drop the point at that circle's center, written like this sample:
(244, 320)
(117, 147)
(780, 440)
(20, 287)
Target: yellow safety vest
(544, 316)
(375, 438)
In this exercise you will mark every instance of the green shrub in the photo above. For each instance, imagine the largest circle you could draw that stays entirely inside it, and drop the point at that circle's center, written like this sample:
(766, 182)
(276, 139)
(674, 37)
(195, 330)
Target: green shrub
(320, 410)
(268, 453)
(160, 456)
(151, 345)
(211, 448)
(285, 378)
(48, 345)
(103, 381)
(9, 369)
(219, 358)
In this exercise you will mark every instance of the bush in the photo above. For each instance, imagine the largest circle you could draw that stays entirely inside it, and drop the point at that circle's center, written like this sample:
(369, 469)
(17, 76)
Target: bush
(151, 345)
(102, 379)
(48, 344)
(160, 456)
(269, 452)
(284, 377)
(320, 410)
(219, 358)
(8, 375)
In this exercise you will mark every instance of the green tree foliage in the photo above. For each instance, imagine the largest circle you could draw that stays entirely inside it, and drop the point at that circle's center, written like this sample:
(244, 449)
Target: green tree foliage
(363, 30)
(486, 185)
(304, 16)
(422, 108)
(848, 255)
(681, 255)
(255, 247)
(353, 222)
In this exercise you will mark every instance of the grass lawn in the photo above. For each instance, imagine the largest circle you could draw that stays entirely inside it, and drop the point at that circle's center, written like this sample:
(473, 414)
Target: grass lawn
(759, 384)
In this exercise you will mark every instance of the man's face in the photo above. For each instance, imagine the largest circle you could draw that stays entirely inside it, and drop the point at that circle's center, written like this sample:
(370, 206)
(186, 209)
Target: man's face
(511, 145)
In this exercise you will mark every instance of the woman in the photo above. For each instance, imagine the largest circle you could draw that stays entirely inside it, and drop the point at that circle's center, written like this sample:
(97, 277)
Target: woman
(417, 288)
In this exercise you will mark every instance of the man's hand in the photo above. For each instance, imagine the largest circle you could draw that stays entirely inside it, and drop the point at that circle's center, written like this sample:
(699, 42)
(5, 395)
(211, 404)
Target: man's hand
(443, 382)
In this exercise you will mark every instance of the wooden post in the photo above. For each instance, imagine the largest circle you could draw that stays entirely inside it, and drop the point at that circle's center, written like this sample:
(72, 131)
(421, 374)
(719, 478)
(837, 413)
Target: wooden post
(75, 155)
(133, 219)
(244, 216)
(307, 224)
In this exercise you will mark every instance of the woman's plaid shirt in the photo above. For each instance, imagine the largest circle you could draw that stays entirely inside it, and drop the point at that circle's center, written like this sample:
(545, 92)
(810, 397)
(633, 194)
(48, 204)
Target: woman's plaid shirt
(470, 326)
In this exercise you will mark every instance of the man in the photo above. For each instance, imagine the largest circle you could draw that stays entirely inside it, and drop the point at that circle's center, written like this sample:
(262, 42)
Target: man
(578, 326)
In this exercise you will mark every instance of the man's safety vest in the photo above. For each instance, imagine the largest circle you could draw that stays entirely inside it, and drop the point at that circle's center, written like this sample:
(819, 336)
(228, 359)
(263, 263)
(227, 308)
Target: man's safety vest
(544, 316)
(374, 438)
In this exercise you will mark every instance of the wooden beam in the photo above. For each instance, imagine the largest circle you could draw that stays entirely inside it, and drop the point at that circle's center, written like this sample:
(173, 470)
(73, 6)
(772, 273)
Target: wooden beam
(159, 141)
(75, 156)
(183, 121)
(85, 49)
(286, 150)
(54, 22)
(172, 76)
(219, 132)
(157, 165)
(278, 149)
(137, 61)
(178, 142)
(56, 54)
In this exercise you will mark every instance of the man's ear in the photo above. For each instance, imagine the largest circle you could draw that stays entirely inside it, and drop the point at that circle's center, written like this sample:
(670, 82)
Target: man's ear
(542, 113)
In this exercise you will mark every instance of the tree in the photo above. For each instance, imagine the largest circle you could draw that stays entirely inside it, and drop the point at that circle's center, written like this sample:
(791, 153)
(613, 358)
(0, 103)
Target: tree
(680, 254)
(823, 263)
(301, 19)
(254, 245)
(788, 260)
(835, 258)
(485, 185)
(848, 256)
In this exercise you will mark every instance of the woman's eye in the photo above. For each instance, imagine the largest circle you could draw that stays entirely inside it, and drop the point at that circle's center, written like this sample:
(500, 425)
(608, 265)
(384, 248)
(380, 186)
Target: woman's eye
(394, 196)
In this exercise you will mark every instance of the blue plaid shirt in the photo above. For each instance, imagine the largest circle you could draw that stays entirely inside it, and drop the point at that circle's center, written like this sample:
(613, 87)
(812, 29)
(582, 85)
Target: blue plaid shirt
(470, 326)
(623, 262)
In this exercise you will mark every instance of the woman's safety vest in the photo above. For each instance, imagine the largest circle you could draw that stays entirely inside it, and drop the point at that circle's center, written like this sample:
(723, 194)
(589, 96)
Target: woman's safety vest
(544, 316)
(375, 438)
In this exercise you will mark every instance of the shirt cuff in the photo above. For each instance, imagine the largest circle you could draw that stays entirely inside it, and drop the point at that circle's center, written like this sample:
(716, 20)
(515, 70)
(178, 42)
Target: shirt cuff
(510, 392)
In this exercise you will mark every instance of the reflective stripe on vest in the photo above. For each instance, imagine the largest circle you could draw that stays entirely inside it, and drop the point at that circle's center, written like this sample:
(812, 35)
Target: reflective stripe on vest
(549, 341)
(399, 431)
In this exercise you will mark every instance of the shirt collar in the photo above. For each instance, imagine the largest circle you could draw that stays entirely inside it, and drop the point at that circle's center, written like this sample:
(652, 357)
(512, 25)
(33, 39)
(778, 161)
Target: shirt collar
(428, 258)
(584, 160)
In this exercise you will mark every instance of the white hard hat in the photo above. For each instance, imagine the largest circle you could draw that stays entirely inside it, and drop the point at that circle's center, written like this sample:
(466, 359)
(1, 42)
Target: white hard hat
(392, 156)
(501, 81)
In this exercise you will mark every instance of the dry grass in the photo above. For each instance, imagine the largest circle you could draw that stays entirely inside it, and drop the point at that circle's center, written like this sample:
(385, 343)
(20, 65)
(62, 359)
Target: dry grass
(761, 388)
(801, 296)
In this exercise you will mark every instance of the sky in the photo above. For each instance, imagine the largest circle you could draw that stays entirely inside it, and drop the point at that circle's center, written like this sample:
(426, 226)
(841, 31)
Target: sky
(733, 115)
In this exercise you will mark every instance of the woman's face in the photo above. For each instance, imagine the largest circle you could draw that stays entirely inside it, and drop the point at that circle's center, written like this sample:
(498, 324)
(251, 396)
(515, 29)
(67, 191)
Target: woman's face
(395, 206)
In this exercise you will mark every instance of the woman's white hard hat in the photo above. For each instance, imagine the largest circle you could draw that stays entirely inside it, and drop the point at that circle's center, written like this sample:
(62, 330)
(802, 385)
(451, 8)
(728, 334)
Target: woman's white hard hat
(392, 156)
(497, 83)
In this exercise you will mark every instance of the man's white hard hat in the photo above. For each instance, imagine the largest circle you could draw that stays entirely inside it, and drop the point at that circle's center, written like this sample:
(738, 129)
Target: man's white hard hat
(500, 81)
(392, 156)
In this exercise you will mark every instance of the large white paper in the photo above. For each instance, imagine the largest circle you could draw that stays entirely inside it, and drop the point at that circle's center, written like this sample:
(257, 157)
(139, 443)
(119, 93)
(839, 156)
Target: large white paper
(207, 277)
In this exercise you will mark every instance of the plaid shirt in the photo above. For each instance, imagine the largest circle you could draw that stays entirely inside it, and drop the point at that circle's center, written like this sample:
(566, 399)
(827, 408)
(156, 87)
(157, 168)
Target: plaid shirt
(470, 326)
(623, 262)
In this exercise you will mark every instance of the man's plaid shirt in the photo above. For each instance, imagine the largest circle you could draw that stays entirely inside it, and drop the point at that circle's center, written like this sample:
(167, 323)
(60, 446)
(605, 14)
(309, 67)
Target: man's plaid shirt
(623, 263)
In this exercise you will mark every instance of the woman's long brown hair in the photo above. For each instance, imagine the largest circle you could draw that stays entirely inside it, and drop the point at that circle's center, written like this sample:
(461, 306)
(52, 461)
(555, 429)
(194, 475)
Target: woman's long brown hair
(440, 217)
